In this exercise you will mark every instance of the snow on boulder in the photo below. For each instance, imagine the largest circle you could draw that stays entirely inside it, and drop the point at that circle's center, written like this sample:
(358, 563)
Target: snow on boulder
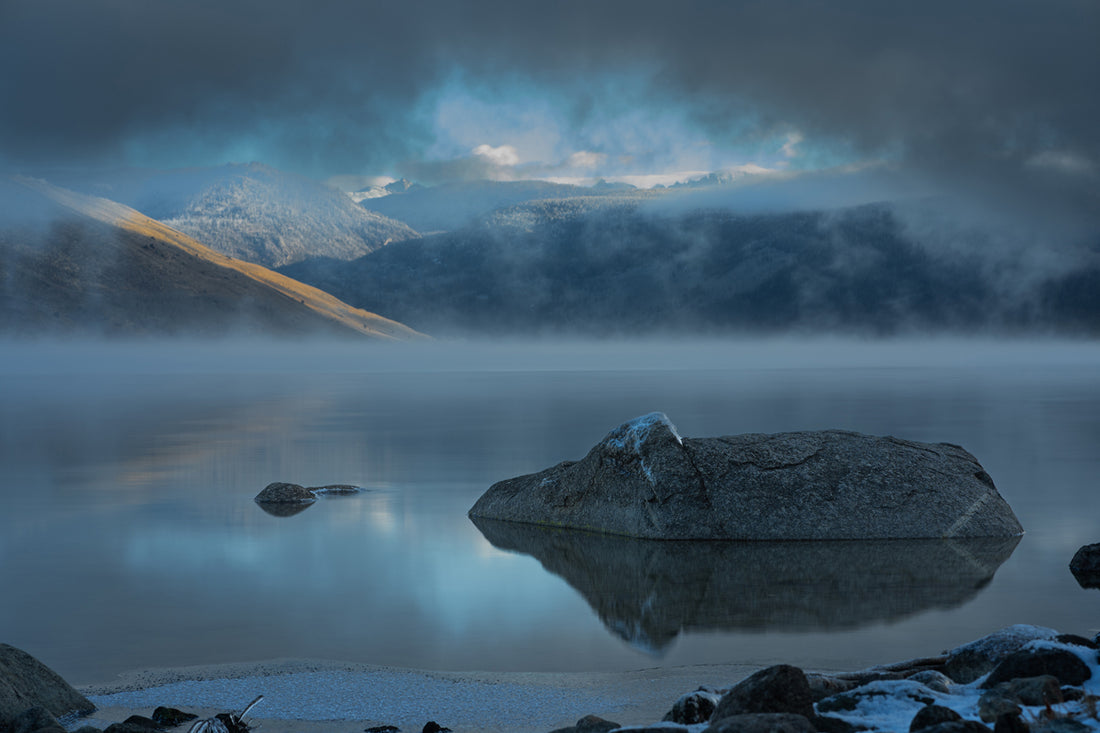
(644, 480)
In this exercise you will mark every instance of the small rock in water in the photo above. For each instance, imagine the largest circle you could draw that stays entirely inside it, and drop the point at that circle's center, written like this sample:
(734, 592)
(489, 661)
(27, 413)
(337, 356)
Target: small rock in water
(1085, 566)
(382, 729)
(284, 493)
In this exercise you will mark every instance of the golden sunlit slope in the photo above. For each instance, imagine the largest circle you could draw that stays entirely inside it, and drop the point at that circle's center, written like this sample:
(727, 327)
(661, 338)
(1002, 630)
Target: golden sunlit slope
(70, 260)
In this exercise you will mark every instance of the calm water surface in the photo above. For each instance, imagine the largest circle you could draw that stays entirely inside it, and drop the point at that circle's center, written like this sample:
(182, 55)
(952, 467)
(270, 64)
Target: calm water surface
(129, 538)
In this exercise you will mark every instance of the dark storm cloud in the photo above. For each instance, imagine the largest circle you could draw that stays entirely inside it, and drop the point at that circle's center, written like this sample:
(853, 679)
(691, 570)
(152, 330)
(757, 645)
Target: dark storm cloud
(976, 92)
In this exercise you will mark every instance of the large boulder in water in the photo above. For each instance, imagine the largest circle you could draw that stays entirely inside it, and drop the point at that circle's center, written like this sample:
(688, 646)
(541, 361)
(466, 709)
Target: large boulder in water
(644, 480)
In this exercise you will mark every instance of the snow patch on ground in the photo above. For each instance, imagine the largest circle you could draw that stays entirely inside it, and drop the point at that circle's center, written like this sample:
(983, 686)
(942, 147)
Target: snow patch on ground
(894, 708)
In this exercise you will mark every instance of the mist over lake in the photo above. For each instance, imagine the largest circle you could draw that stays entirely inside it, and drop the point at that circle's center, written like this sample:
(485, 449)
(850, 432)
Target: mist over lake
(129, 537)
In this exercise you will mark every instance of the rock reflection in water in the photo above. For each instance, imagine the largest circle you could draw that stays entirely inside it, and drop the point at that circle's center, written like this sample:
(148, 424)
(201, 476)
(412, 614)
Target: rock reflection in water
(647, 591)
(284, 508)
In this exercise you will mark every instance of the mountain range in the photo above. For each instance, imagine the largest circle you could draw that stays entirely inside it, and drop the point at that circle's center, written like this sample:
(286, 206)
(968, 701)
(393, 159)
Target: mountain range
(72, 263)
(565, 266)
(251, 212)
(515, 258)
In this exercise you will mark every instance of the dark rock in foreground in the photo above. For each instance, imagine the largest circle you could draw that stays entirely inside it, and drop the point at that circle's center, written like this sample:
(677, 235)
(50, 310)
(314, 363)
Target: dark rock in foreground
(694, 707)
(36, 720)
(1065, 666)
(27, 683)
(171, 717)
(762, 723)
(589, 724)
(970, 661)
(931, 715)
(643, 480)
(777, 689)
(1085, 566)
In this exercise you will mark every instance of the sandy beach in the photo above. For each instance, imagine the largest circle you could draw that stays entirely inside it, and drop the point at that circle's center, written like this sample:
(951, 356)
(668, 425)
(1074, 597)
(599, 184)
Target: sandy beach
(309, 696)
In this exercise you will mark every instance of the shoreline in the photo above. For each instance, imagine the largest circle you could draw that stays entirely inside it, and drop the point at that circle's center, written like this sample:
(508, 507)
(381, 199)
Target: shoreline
(325, 696)
(1019, 678)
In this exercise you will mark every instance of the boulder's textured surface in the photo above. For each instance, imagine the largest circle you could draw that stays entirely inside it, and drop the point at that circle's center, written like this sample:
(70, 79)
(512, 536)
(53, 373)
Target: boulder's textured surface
(933, 680)
(1035, 661)
(777, 689)
(1042, 690)
(931, 715)
(36, 720)
(970, 661)
(27, 683)
(694, 707)
(644, 480)
(283, 493)
(823, 685)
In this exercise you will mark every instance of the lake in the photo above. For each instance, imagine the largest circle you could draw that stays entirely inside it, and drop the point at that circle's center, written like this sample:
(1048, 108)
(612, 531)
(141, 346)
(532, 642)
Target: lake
(129, 538)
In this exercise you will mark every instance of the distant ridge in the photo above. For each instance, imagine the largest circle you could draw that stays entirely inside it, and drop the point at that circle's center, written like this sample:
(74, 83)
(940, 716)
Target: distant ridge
(249, 211)
(451, 206)
(79, 262)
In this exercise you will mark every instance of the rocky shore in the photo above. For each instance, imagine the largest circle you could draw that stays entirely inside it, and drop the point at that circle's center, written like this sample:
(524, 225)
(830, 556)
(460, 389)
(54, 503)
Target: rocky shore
(1021, 678)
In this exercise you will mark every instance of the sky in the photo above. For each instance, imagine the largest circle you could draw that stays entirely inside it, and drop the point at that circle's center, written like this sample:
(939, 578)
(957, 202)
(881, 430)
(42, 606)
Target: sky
(996, 96)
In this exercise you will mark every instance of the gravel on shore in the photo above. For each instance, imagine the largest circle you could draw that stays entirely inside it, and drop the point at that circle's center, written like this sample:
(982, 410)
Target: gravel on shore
(303, 695)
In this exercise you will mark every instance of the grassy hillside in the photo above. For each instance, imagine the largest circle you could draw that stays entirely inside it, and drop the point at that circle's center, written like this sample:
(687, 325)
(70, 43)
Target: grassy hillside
(73, 262)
